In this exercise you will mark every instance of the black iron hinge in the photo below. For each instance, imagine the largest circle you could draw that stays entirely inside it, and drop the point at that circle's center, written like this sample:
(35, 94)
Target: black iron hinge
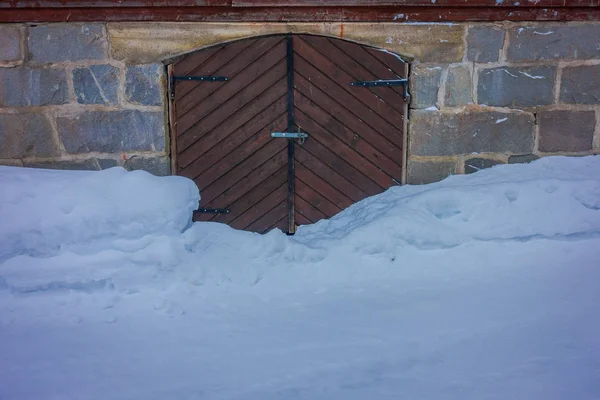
(385, 82)
(203, 78)
(213, 211)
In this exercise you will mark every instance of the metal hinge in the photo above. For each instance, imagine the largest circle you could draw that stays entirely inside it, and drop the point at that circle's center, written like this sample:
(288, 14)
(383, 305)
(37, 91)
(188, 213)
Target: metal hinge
(213, 211)
(203, 78)
(385, 82)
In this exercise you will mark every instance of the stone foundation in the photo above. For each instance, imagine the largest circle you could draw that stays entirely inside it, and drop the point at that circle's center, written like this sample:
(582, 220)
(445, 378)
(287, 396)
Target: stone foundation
(92, 96)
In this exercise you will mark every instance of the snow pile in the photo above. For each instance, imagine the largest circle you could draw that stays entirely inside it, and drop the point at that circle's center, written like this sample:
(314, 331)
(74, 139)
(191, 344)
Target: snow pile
(42, 210)
(553, 197)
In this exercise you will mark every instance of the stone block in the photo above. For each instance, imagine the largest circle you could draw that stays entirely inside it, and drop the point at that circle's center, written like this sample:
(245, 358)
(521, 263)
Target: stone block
(159, 166)
(96, 84)
(553, 41)
(23, 135)
(11, 162)
(580, 85)
(516, 87)
(459, 85)
(32, 87)
(484, 43)
(141, 42)
(67, 42)
(566, 130)
(445, 134)
(10, 43)
(143, 84)
(423, 172)
(477, 163)
(522, 158)
(112, 132)
(74, 165)
(424, 86)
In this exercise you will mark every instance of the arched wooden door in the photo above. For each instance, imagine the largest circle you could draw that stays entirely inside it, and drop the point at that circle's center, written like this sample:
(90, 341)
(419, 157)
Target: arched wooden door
(235, 105)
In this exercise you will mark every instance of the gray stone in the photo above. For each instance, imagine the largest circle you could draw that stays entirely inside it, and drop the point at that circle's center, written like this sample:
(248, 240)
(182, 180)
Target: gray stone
(551, 42)
(423, 172)
(11, 162)
(67, 42)
(516, 87)
(10, 43)
(477, 163)
(444, 134)
(566, 130)
(32, 87)
(458, 91)
(74, 165)
(143, 84)
(97, 84)
(522, 158)
(112, 132)
(24, 135)
(580, 85)
(484, 43)
(160, 166)
(424, 86)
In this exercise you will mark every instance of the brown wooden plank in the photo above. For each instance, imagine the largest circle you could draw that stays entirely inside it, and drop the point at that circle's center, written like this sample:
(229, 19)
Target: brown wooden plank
(243, 107)
(262, 224)
(235, 93)
(316, 199)
(246, 150)
(262, 207)
(304, 208)
(249, 181)
(329, 175)
(354, 123)
(309, 114)
(244, 203)
(270, 102)
(339, 150)
(282, 225)
(364, 67)
(329, 77)
(213, 170)
(192, 61)
(336, 163)
(335, 64)
(272, 152)
(208, 149)
(301, 219)
(336, 197)
(184, 89)
(312, 5)
(423, 3)
(231, 62)
(587, 11)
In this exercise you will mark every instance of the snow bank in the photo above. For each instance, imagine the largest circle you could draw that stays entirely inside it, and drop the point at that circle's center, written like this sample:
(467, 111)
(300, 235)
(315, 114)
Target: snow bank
(42, 210)
(552, 197)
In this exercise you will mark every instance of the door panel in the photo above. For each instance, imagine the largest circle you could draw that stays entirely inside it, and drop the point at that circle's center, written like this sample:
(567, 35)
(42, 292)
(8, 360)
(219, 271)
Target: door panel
(279, 83)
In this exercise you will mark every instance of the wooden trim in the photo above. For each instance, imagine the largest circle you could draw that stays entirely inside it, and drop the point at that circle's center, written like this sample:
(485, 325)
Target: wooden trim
(454, 11)
(172, 121)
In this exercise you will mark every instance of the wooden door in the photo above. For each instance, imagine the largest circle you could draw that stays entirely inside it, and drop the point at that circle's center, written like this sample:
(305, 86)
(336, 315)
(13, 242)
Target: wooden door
(249, 180)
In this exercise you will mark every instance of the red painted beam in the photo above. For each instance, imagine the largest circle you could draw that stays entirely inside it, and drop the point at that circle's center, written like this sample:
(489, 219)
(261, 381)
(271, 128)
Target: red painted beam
(296, 14)
(418, 3)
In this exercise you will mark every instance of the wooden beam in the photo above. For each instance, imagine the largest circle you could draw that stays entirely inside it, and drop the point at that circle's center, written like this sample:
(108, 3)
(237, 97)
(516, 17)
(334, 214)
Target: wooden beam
(208, 13)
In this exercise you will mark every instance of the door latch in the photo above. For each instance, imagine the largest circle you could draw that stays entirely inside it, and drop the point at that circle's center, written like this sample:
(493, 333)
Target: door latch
(301, 136)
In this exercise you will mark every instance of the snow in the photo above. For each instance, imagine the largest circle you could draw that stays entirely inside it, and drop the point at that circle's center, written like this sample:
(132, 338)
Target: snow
(482, 286)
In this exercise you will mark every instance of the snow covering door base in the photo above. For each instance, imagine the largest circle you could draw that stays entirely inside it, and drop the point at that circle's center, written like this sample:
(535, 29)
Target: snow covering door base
(222, 129)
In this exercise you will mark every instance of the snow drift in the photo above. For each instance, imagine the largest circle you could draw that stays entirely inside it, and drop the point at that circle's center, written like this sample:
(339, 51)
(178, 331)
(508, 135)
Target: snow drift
(42, 210)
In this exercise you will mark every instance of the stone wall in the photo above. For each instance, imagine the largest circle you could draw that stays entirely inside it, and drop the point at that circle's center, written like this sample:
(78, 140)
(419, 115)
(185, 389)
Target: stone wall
(66, 103)
(93, 95)
(518, 91)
